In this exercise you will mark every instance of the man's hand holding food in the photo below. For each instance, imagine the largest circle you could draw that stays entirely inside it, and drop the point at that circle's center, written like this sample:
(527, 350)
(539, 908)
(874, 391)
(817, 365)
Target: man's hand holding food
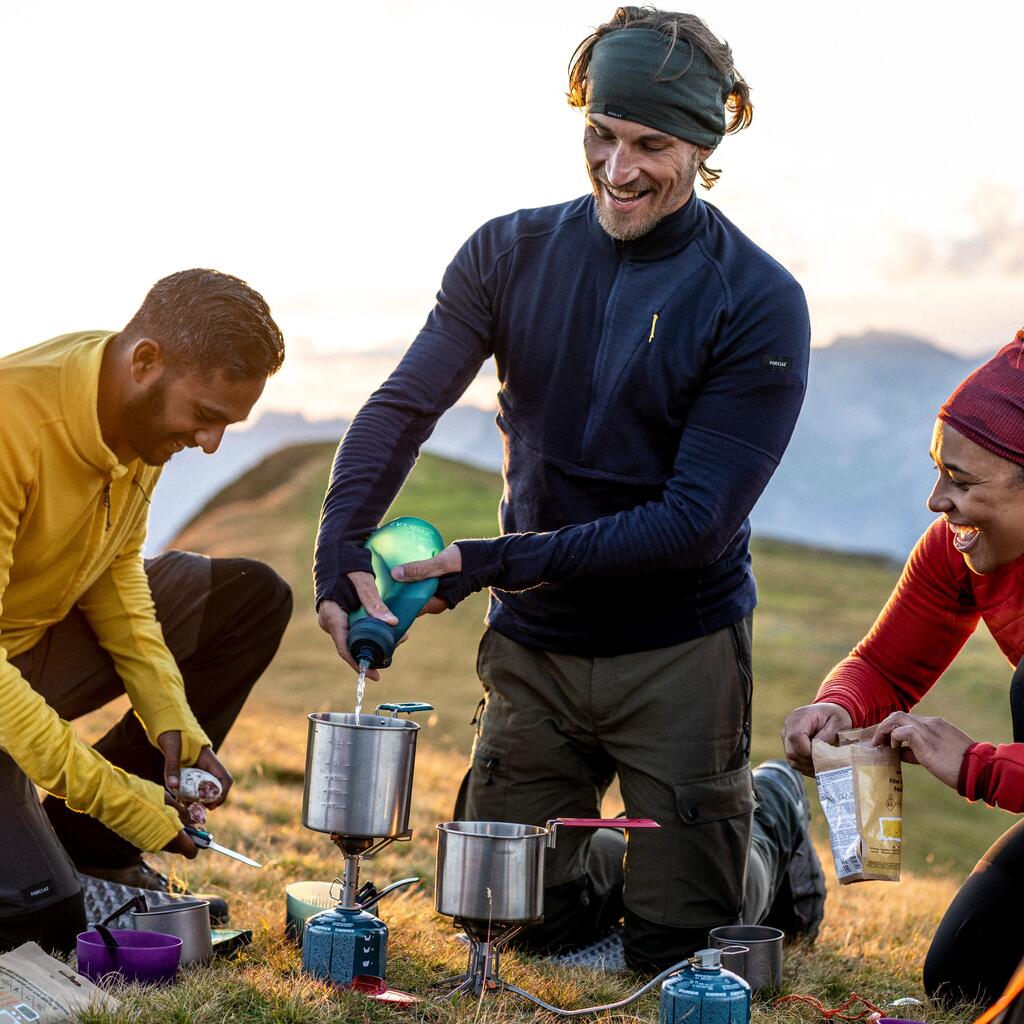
(170, 745)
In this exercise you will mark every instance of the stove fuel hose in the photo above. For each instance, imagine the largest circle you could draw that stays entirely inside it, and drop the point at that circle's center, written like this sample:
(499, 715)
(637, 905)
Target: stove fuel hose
(668, 972)
(376, 897)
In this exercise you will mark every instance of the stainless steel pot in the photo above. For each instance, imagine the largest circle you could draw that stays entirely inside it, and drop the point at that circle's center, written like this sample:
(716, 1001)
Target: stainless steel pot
(493, 871)
(189, 920)
(359, 772)
(490, 871)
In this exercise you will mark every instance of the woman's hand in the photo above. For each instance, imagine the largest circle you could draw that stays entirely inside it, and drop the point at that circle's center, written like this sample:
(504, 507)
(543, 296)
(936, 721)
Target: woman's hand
(812, 722)
(933, 743)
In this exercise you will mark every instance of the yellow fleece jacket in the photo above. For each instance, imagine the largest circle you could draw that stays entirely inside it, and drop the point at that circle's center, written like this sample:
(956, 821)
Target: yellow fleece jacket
(72, 526)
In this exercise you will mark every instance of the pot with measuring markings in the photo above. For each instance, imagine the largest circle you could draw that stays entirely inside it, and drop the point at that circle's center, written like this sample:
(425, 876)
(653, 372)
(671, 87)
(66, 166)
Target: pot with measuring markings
(359, 772)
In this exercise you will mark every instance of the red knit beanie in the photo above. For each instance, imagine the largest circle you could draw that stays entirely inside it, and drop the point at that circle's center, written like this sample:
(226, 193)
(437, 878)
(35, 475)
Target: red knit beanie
(988, 407)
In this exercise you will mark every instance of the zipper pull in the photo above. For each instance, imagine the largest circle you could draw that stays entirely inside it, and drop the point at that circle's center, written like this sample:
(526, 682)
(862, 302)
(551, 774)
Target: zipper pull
(106, 501)
(654, 327)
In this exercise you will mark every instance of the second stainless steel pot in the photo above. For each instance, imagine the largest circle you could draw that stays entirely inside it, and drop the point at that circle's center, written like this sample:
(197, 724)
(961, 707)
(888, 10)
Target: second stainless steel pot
(490, 871)
(494, 870)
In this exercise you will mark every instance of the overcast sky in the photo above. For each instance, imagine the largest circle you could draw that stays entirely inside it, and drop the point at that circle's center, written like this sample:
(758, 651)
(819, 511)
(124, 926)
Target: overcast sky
(337, 160)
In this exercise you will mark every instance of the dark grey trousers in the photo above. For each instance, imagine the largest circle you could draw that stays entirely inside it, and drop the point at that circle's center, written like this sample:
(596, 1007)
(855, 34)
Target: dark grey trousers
(674, 726)
(222, 620)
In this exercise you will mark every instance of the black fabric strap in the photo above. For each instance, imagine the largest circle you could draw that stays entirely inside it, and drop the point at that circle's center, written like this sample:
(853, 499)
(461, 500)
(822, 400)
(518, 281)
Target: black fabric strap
(1017, 702)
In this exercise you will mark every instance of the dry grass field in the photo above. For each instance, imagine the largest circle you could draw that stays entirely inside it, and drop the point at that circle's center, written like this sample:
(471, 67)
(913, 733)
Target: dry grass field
(814, 605)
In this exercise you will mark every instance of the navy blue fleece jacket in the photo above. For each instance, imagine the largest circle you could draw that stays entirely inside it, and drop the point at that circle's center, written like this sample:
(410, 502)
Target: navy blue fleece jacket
(647, 392)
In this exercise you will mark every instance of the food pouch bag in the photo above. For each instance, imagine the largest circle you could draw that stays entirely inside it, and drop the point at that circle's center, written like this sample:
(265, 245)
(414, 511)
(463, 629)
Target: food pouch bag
(861, 793)
(36, 987)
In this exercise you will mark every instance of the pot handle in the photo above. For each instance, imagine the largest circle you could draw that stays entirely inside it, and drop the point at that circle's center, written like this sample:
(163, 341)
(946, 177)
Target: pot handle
(408, 708)
(734, 958)
(623, 823)
(135, 903)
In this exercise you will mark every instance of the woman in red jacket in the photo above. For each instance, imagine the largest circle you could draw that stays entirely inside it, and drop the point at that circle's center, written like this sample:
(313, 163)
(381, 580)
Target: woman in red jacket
(968, 566)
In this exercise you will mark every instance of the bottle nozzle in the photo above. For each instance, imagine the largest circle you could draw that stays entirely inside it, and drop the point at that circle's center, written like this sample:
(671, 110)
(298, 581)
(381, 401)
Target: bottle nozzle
(371, 641)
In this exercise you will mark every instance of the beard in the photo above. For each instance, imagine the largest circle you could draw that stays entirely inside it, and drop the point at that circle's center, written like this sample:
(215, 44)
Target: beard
(626, 226)
(622, 225)
(144, 425)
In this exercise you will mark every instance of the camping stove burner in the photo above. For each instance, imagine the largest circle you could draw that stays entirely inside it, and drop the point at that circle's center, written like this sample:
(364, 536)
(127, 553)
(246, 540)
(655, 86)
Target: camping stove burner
(482, 976)
(485, 942)
(490, 880)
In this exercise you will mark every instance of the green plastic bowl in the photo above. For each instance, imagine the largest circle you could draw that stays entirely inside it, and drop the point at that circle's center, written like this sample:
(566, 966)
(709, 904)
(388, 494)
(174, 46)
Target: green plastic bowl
(303, 900)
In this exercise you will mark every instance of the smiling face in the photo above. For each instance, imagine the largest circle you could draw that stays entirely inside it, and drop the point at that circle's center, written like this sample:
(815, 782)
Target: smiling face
(639, 175)
(183, 409)
(981, 497)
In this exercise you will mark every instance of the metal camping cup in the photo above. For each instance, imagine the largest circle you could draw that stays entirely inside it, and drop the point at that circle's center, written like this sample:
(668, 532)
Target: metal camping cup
(753, 951)
(189, 920)
(359, 772)
(493, 871)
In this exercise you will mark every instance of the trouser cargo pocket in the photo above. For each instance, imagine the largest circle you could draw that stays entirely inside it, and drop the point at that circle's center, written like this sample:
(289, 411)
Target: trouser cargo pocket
(690, 873)
(713, 819)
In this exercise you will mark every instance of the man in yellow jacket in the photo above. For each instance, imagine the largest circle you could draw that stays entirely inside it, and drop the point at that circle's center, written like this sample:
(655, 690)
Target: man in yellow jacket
(86, 422)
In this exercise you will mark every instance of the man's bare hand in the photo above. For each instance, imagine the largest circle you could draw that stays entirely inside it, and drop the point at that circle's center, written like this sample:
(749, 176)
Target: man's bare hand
(182, 844)
(812, 722)
(449, 561)
(170, 743)
(936, 744)
(333, 619)
(209, 762)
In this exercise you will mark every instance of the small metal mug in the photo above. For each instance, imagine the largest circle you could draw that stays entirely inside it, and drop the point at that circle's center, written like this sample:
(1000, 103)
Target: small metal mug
(753, 951)
(189, 920)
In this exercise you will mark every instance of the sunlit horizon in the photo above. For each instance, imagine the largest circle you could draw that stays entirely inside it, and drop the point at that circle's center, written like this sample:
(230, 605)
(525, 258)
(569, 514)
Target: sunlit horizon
(338, 166)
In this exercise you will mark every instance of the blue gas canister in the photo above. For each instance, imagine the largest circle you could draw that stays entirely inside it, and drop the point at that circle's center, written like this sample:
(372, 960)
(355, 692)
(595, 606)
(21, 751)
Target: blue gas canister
(705, 993)
(341, 944)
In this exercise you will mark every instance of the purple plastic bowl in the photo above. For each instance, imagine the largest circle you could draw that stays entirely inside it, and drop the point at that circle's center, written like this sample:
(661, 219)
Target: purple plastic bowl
(147, 957)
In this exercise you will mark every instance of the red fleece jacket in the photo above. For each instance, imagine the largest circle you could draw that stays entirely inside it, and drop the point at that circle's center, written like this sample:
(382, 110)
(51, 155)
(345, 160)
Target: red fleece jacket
(930, 614)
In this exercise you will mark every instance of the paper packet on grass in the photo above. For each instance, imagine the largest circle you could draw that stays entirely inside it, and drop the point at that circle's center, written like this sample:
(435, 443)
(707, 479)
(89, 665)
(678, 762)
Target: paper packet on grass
(861, 793)
(36, 987)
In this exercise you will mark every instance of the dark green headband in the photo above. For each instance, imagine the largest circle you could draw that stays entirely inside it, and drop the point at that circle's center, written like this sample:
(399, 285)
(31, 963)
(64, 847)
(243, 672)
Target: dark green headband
(683, 95)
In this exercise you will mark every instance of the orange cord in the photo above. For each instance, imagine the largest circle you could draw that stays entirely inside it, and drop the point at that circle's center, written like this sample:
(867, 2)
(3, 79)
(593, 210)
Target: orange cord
(1012, 990)
(837, 1012)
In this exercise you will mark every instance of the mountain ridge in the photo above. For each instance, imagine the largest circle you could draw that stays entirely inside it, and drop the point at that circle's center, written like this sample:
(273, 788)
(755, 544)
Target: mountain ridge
(855, 477)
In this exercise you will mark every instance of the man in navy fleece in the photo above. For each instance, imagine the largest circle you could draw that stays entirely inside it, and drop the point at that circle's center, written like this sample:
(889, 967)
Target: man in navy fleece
(652, 363)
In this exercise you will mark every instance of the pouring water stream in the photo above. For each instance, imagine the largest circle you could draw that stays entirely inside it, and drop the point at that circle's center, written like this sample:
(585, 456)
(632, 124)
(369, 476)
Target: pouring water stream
(361, 685)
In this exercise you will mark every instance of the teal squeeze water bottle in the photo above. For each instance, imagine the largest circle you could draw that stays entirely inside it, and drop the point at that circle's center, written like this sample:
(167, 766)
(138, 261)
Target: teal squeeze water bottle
(372, 642)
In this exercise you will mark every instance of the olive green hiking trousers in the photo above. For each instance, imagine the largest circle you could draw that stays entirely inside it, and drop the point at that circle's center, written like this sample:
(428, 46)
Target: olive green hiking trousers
(673, 725)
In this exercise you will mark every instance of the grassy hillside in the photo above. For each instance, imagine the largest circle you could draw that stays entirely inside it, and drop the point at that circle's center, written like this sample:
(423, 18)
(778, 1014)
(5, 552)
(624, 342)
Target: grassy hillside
(814, 606)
